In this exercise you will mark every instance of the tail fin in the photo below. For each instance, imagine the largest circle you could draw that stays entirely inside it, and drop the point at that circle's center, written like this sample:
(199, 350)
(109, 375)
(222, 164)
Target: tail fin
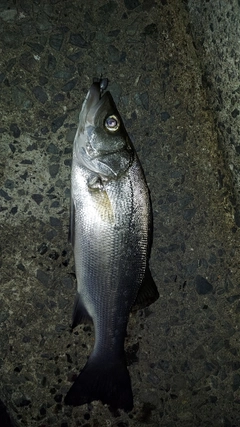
(101, 380)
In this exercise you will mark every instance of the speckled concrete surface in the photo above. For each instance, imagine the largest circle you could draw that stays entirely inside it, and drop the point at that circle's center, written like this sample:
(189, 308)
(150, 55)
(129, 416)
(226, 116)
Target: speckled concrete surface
(183, 351)
(216, 32)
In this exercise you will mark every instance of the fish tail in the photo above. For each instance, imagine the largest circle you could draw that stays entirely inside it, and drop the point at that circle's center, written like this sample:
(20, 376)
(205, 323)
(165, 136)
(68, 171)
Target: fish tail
(102, 380)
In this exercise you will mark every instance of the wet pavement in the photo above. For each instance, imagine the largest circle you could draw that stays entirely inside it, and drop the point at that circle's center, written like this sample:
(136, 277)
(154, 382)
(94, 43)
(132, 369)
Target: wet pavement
(183, 351)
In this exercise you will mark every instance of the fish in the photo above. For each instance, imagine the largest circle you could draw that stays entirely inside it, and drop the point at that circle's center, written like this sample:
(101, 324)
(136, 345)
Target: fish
(111, 236)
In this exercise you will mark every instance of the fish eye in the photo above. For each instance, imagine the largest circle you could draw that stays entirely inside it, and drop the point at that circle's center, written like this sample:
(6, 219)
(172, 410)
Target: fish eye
(112, 123)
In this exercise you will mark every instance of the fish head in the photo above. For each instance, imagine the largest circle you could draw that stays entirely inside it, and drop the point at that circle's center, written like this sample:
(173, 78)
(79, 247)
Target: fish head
(102, 144)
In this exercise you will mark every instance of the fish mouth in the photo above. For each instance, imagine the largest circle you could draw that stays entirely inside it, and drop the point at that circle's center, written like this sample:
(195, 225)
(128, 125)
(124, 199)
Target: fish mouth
(95, 98)
(93, 95)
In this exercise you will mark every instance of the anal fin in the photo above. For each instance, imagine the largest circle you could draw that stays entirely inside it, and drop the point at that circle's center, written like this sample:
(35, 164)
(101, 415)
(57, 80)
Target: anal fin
(147, 293)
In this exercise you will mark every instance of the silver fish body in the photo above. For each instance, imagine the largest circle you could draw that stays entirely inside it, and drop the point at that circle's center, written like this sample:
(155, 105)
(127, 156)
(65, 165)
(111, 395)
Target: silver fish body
(111, 237)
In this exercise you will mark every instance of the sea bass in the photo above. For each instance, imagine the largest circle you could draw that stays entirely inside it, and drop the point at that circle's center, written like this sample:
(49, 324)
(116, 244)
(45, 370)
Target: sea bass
(111, 237)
